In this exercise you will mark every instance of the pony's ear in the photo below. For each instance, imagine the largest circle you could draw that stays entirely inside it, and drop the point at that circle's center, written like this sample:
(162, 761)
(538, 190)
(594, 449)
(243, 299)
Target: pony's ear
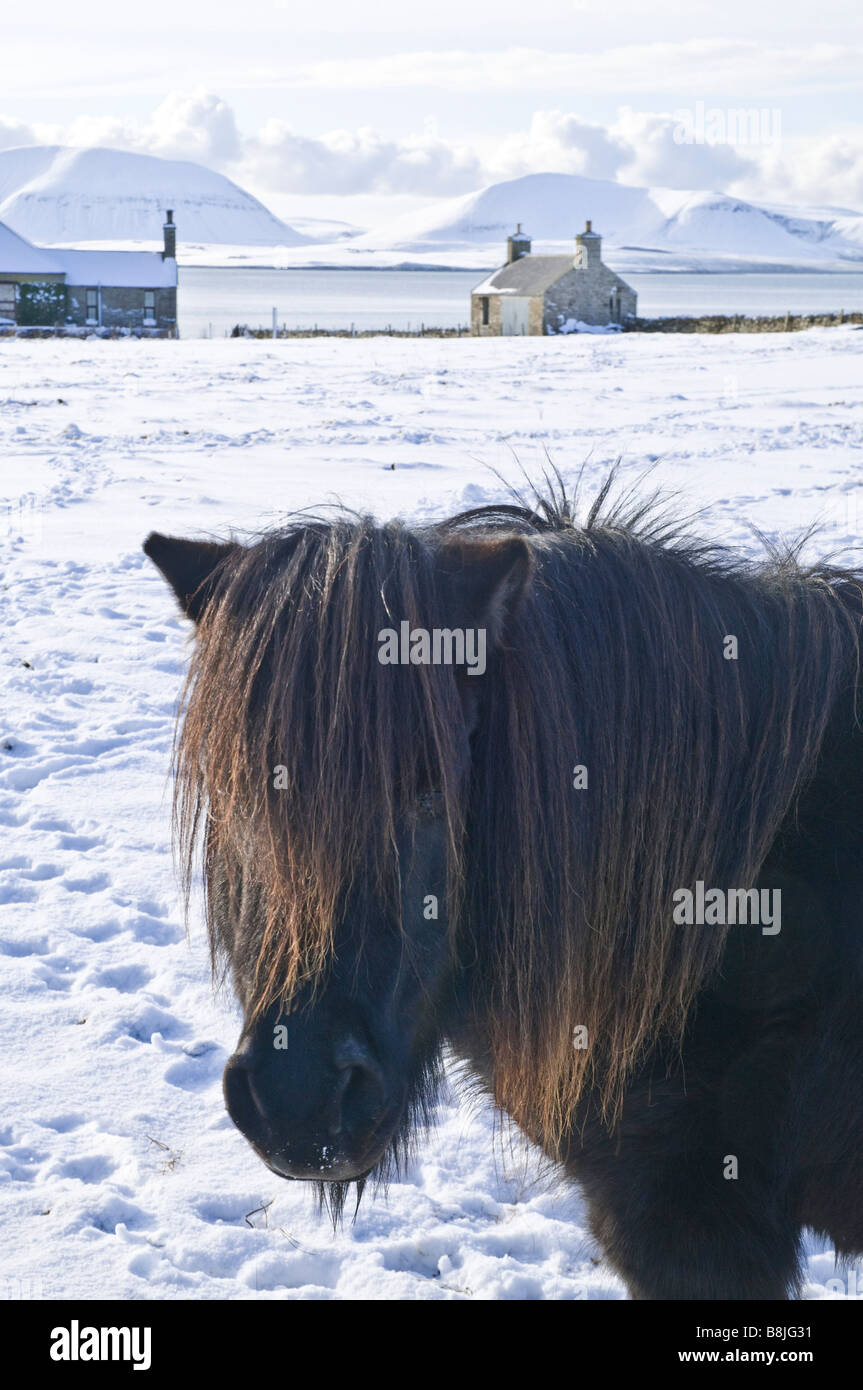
(189, 567)
(486, 579)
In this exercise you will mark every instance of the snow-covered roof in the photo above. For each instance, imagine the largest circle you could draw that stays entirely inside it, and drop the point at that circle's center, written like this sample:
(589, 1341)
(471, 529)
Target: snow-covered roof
(131, 270)
(529, 275)
(138, 270)
(20, 257)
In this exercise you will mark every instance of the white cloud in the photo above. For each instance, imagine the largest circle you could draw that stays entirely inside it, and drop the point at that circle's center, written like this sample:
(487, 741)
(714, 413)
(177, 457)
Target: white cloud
(201, 126)
(656, 157)
(826, 170)
(561, 143)
(639, 147)
(195, 125)
(14, 132)
(361, 161)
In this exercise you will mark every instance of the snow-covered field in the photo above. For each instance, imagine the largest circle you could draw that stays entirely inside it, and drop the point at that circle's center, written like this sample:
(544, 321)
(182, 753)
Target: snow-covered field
(120, 1173)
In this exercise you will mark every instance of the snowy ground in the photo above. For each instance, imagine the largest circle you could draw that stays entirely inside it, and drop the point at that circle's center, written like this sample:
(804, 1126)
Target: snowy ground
(120, 1174)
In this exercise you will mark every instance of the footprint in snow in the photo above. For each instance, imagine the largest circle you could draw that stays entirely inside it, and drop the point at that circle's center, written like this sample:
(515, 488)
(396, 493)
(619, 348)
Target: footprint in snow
(200, 1068)
(98, 931)
(152, 931)
(126, 979)
(88, 1168)
(95, 884)
(63, 1124)
(27, 946)
(57, 972)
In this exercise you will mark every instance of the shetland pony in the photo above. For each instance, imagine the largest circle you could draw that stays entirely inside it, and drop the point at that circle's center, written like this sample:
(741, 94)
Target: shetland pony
(404, 855)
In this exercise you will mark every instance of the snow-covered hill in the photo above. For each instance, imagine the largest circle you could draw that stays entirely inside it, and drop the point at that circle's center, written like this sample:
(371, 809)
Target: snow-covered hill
(58, 196)
(643, 228)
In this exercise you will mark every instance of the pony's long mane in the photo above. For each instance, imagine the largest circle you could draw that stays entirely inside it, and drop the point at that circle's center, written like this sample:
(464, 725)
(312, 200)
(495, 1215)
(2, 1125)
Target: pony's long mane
(294, 728)
(562, 902)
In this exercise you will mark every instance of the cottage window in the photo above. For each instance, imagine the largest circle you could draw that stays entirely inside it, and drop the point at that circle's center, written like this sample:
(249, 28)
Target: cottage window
(484, 306)
(150, 302)
(92, 305)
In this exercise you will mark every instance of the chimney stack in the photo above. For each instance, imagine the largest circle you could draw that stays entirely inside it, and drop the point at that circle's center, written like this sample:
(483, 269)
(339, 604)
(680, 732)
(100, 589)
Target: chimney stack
(170, 234)
(517, 245)
(589, 245)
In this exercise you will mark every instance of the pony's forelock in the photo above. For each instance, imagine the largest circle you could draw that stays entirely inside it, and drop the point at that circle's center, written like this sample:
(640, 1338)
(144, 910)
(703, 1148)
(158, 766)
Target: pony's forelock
(296, 735)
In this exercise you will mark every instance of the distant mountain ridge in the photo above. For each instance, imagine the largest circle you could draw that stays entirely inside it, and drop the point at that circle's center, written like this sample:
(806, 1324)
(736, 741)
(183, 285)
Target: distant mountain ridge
(55, 196)
(52, 195)
(638, 225)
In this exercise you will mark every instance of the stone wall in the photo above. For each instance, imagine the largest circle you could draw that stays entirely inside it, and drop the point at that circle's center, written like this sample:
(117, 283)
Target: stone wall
(740, 323)
(477, 327)
(122, 308)
(584, 295)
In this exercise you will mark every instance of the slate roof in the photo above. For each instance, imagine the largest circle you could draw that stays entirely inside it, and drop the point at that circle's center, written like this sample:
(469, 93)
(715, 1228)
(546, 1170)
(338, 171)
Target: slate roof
(529, 275)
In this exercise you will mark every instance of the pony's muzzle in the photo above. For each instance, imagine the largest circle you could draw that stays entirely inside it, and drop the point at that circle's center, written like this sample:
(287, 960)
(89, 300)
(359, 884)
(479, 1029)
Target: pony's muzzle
(327, 1124)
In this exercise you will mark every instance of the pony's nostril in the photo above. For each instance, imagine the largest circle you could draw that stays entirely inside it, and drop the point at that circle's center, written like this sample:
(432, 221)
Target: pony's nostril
(236, 1083)
(359, 1089)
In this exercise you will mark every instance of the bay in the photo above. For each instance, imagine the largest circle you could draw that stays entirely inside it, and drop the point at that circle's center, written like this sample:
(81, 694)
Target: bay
(213, 300)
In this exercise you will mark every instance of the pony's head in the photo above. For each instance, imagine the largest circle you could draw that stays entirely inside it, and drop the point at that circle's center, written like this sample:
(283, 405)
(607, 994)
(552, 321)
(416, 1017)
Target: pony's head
(322, 763)
(399, 850)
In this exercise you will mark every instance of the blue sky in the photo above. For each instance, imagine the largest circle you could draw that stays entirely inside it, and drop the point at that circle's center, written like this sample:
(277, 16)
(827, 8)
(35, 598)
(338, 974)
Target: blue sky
(344, 108)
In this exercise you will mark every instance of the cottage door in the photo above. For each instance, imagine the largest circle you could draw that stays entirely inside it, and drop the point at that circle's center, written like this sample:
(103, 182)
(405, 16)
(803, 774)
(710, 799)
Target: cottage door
(514, 311)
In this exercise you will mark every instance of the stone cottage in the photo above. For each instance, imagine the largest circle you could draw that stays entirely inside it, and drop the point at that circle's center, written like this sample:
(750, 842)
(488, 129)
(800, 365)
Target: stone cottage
(549, 294)
(52, 287)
